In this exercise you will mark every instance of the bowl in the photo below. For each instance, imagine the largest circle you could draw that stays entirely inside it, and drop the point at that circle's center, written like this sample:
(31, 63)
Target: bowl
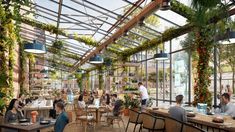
(191, 114)
(218, 120)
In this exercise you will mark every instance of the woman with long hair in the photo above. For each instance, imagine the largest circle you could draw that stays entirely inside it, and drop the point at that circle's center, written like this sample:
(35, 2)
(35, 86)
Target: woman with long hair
(81, 103)
(13, 112)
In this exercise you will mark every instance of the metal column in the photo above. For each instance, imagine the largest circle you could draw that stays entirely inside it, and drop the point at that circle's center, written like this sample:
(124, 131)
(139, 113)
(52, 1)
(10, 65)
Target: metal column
(146, 69)
(215, 75)
(171, 75)
(156, 82)
(189, 76)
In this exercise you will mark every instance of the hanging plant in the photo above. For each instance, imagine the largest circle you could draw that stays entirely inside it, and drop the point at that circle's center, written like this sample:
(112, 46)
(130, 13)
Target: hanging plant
(108, 61)
(58, 44)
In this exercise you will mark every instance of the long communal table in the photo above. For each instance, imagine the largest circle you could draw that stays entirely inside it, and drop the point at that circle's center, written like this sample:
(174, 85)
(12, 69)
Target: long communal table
(25, 128)
(203, 121)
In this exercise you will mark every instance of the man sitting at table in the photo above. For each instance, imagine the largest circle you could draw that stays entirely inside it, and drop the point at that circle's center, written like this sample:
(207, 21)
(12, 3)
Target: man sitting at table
(62, 119)
(227, 106)
(177, 112)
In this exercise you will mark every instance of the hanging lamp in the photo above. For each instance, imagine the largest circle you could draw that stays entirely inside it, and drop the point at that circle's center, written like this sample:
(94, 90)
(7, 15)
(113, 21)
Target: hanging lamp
(165, 5)
(161, 56)
(35, 47)
(97, 59)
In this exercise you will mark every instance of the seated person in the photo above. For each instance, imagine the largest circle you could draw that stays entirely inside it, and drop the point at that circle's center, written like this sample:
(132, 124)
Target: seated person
(115, 108)
(91, 99)
(13, 113)
(62, 119)
(227, 106)
(21, 100)
(81, 103)
(52, 112)
(28, 99)
(177, 112)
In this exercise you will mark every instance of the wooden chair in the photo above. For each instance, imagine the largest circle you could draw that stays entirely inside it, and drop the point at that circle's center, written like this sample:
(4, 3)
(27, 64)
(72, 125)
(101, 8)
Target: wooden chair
(173, 125)
(117, 119)
(83, 116)
(153, 123)
(73, 127)
(134, 117)
(190, 128)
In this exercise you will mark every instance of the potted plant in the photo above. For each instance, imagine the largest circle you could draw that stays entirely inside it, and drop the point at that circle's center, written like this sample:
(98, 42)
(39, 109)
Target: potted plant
(135, 104)
(127, 100)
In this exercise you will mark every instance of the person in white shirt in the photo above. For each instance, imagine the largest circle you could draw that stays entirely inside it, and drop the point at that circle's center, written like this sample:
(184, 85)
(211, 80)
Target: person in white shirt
(81, 103)
(227, 106)
(143, 94)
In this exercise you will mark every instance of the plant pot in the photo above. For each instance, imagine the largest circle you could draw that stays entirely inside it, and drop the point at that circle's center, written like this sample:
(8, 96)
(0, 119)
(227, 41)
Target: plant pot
(126, 112)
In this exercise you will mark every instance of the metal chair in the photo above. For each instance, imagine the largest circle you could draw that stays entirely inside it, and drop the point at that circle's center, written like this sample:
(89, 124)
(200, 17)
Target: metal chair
(134, 117)
(153, 123)
(173, 125)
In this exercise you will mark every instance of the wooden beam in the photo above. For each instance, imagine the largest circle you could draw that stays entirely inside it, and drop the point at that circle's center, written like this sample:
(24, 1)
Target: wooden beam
(172, 33)
(147, 10)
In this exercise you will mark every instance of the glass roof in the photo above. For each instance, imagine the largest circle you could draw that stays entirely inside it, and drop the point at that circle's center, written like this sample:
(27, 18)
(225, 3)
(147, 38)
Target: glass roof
(98, 19)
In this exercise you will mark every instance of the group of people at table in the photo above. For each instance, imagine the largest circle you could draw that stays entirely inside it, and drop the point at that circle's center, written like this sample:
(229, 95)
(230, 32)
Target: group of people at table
(226, 107)
(111, 102)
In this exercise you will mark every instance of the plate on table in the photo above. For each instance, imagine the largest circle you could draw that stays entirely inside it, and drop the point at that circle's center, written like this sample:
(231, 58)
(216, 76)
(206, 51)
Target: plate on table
(25, 124)
(23, 120)
(45, 122)
(210, 113)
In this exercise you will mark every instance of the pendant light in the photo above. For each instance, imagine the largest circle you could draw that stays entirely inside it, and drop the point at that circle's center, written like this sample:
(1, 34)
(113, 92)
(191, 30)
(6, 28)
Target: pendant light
(35, 47)
(165, 5)
(97, 59)
(161, 55)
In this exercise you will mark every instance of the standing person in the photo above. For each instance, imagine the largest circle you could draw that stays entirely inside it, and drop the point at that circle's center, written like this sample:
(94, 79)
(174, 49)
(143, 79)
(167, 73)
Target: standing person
(143, 94)
(177, 112)
(62, 119)
(13, 112)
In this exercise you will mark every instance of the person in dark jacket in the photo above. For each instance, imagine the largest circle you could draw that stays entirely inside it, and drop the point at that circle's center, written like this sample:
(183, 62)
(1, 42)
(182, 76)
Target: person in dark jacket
(52, 112)
(62, 119)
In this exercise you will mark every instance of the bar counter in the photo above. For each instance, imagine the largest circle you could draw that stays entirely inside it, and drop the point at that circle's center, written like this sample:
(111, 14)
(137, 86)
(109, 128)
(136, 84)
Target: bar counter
(203, 121)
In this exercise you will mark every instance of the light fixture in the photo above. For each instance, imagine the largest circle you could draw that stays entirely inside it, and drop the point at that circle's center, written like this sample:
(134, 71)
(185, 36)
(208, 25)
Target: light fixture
(125, 33)
(35, 47)
(115, 41)
(161, 56)
(165, 5)
(141, 22)
(227, 38)
(80, 71)
(97, 59)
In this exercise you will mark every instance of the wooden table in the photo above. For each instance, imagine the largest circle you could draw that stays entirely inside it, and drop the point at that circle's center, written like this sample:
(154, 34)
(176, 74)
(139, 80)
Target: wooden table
(29, 128)
(206, 120)
(97, 110)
